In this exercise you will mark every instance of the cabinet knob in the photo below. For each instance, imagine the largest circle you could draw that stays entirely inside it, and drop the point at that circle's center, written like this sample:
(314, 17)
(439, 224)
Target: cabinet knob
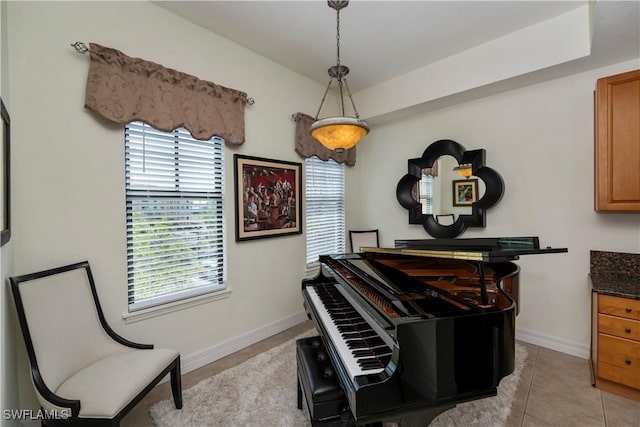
(627, 362)
(627, 330)
(628, 309)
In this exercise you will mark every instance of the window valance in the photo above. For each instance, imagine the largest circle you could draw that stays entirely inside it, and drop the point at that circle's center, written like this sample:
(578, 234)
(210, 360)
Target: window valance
(308, 146)
(433, 171)
(123, 89)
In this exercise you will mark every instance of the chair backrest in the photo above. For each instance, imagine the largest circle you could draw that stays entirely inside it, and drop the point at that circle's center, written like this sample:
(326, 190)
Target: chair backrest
(60, 318)
(363, 238)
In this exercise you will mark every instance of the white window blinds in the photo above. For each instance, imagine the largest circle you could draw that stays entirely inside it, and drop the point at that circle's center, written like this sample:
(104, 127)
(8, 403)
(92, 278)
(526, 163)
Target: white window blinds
(426, 193)
(175, 215)
(324, 191)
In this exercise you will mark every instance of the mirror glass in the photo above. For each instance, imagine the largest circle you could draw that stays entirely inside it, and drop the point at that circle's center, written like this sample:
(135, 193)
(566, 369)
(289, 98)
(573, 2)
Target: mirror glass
(449, 189)
(435, 191)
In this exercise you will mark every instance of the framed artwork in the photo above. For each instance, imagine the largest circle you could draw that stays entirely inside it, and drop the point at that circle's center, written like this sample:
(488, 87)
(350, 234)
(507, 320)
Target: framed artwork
(268, 197)
(465, 192)
(5, 175)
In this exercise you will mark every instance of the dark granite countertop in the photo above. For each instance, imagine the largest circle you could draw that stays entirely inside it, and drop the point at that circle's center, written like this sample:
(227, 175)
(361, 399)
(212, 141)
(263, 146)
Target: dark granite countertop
(615, 273)
(617, 286)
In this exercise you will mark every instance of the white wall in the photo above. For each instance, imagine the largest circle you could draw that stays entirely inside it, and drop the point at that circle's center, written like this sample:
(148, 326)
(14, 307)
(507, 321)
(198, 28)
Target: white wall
(541, 140)
(69, 167)
(8, 361)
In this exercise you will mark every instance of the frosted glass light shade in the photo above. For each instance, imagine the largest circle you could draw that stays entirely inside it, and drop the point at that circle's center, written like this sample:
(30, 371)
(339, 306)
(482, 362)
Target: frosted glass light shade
(339, 133)
(463, 170)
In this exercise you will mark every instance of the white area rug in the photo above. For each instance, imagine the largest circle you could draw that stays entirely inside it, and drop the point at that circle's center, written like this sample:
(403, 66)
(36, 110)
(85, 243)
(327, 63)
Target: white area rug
(262, 392)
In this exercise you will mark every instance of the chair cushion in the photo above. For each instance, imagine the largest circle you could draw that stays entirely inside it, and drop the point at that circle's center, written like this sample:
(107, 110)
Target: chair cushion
(106, 386)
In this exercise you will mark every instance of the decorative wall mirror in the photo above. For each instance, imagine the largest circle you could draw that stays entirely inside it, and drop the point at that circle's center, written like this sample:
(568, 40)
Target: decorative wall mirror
(449, 189)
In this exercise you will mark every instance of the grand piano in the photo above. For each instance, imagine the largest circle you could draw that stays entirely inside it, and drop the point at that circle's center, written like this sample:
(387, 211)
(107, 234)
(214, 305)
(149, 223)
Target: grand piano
(413, 330)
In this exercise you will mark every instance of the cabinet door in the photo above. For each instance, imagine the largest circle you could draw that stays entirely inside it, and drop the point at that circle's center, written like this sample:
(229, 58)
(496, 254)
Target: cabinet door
(619, 360)
(618, 142)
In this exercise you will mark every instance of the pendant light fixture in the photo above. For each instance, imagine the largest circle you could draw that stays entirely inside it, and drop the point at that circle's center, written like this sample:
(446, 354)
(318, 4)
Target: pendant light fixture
(464, 170)
(339, 133)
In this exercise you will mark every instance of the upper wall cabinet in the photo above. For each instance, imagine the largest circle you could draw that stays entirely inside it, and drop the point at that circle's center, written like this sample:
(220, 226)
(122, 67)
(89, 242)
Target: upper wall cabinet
(617, 154)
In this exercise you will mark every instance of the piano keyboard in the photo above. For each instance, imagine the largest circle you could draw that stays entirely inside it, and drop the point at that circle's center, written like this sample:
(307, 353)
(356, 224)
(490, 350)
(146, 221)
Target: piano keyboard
(360, 347)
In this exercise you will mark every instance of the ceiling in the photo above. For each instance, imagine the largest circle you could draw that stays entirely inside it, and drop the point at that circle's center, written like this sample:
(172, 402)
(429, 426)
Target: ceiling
(380, 40)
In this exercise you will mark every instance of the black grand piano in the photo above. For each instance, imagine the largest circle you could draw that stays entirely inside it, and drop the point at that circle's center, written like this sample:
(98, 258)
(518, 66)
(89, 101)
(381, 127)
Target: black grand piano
(413, 330)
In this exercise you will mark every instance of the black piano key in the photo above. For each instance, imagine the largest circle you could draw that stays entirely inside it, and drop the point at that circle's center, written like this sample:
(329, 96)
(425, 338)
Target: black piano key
(366, 342)
(360, 325)
(385, 359)
(362, 353)
(374, 341)
(353, 344)
(380, 350)
(370, 363)
(336, 317)
(359, 334)
(346, 319)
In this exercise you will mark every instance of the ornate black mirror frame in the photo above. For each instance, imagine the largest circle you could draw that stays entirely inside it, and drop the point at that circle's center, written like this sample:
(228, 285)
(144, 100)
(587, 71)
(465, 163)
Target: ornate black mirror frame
(494, 188)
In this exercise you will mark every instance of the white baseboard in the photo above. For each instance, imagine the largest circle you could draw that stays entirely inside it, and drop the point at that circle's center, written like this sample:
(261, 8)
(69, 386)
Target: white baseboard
(553, 343)
(211, 354)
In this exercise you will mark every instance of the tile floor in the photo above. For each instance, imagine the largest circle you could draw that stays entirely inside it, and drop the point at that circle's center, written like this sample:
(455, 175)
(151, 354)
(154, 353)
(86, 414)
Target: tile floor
(554, 390)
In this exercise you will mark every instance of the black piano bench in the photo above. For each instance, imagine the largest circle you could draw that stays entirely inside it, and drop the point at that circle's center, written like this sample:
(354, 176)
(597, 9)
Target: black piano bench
(325, 399)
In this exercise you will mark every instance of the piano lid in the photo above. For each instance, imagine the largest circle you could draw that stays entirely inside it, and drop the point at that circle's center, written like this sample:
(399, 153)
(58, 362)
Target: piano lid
(489, 249)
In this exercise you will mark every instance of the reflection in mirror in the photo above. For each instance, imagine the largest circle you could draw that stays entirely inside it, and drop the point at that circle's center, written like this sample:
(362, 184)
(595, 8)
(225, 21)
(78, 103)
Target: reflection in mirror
(449, 189)
(445, 219)
(434, 190)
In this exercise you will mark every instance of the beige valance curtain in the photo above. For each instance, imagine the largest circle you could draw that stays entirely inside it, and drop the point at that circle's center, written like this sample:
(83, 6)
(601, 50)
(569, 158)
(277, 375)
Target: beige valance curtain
(433, 171)
(308, 146)
(123, 89)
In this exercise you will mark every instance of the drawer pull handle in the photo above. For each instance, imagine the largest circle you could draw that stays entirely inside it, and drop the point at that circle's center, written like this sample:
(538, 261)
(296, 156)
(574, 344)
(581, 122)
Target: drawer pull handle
(627, 362)
(628, 309)
(628, 330)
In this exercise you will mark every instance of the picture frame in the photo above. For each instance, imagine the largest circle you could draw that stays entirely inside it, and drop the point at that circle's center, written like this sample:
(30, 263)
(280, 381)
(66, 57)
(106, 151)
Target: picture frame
(268, 199)
(5, 176)
(465, 192)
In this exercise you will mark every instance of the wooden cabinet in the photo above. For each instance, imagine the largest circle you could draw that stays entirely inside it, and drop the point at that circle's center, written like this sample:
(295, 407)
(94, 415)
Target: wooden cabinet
(617, 148)
(616, 345)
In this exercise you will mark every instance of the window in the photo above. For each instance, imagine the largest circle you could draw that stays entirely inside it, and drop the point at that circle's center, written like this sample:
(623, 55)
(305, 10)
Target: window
(426, 193)
(175, 215)
(324, 190)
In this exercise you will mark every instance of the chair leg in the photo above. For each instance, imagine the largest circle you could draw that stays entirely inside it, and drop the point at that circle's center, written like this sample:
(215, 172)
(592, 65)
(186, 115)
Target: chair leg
(176, 384)
(299, 395)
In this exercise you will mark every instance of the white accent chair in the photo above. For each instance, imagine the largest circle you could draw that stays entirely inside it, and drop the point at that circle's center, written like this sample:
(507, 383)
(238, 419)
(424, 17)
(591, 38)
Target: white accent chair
(83, 373)
(363, 238)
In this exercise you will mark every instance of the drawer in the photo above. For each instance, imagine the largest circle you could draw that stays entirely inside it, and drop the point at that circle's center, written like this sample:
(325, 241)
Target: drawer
(616, 306)
(619, 360)
(619, 327)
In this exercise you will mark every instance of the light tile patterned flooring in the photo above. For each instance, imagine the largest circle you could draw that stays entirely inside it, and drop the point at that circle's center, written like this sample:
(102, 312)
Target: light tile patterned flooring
(554, 390)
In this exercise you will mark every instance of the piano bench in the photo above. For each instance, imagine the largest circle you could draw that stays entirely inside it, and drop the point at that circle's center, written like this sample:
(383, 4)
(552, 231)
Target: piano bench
(325, 399)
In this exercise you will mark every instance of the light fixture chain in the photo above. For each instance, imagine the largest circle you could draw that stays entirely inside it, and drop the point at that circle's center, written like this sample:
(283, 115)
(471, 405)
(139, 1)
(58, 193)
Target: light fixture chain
(323, 98)
(338, 37)
(353, 104)
(339, 77)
